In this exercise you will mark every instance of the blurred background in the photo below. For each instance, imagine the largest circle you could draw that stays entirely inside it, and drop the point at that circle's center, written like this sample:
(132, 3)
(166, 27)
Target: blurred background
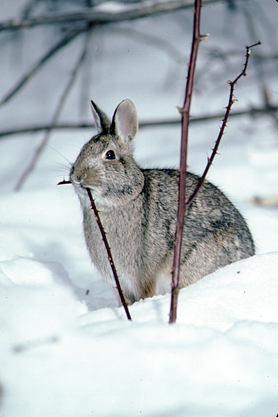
(57, 55)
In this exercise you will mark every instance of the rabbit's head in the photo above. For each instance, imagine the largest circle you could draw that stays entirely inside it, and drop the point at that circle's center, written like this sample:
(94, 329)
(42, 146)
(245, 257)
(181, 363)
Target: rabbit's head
(105, 164)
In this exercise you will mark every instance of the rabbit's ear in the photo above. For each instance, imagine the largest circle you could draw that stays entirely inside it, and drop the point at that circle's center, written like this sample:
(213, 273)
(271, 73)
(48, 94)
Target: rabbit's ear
(101, 120)
(125, 121)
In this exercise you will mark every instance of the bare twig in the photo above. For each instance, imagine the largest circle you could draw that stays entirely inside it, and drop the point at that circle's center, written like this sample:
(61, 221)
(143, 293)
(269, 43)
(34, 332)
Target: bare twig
(37, 66)
(108, 249)
(224, 122)
(28, 8)
(96, 16)
(110, 258)
(56, 116)
(253, 111)
(64, 182)
(183, 160)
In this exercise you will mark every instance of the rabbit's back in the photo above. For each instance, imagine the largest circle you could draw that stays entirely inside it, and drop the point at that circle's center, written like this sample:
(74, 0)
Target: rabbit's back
(215, 233)
(142, 234)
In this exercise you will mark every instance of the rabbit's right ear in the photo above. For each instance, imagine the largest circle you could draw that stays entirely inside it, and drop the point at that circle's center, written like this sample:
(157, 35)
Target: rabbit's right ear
(125, 121)
(101, 120)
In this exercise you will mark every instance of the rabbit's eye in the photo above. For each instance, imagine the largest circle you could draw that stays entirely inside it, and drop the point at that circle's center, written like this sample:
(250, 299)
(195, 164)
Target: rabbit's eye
(110, 155)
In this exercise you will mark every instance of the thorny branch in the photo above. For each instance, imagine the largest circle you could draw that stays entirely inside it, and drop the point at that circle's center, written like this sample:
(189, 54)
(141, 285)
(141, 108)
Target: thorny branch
(183, 160)
(182, 203)
(108, 249)
(231, 101)
(110, 258)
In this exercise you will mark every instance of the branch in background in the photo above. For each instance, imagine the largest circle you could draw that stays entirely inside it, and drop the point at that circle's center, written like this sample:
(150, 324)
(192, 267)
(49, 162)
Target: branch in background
(253, 111)
(28, 8)
(32, 71)
(224, 122)
(183, 160)
(141, 37)
(99, 16)
(56, 116)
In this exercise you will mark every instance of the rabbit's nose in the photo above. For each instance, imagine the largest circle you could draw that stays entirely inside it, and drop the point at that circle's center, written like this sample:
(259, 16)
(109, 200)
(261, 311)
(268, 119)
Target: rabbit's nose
(75, 178)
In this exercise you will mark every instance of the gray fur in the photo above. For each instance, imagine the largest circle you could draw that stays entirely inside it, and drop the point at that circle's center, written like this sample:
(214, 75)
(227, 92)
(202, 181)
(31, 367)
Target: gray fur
(138, 209)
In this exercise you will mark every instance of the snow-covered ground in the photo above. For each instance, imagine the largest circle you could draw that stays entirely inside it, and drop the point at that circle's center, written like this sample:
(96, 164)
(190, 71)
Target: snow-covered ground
(66, 348)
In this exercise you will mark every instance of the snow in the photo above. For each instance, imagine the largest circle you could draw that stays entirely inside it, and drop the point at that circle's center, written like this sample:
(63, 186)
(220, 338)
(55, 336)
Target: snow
(66, 348)
(222, 355)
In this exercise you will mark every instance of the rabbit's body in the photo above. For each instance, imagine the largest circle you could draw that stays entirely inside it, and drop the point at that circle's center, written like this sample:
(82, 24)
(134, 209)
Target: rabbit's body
(138, 209)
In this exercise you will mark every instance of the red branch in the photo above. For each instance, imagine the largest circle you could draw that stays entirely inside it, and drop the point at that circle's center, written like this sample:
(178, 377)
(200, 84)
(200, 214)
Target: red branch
(182, 203)
(183, 160)
(110, 258)
(108, 249)
(232, 100)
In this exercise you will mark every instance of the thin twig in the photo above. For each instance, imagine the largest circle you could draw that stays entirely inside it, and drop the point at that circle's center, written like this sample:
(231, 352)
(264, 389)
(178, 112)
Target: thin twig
(56, 116)
(107, 247)
(96, 16)
(183, 160)
(110, 258)
(37, 66)
(253, 111)
(28, 8)
(231, 101)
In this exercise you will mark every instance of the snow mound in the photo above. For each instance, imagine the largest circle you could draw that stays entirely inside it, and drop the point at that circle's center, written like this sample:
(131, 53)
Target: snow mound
(58, 359)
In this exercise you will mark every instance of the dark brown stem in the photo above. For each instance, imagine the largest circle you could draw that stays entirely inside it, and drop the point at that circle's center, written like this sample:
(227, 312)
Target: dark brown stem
(64, 182)
(224, 123)
(110, 258)
(108, 249)
(183, 161)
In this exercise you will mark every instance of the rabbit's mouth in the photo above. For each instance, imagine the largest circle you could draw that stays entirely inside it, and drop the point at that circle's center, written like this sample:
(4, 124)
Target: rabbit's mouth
(81, 186)
(85, 178)
(77, 181)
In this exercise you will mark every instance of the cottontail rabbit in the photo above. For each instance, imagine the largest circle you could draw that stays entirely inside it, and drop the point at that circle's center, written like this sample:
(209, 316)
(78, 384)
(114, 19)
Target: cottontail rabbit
(138, 209)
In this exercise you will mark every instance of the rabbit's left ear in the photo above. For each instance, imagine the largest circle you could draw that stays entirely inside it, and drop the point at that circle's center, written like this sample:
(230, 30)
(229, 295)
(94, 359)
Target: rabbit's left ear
(101, 120)
(125, 121)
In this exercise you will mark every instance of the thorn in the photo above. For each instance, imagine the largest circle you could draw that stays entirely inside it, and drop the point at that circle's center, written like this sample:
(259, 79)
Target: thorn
(64, 182)
(180, 109)
(203, 37)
